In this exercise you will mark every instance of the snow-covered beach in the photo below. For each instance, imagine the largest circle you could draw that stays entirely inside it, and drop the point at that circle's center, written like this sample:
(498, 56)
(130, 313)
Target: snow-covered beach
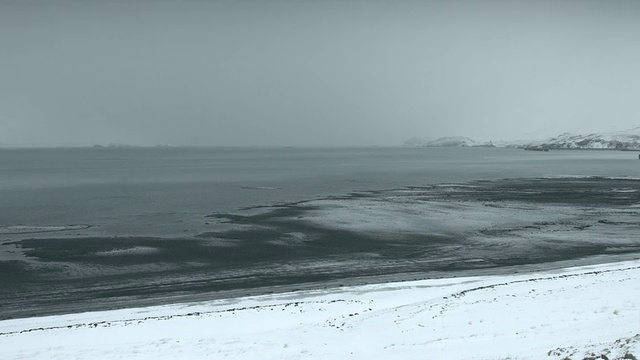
(581, 312)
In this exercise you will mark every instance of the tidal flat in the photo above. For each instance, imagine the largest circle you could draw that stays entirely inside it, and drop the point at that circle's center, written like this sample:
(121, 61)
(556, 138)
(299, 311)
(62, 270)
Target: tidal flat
(415, 232)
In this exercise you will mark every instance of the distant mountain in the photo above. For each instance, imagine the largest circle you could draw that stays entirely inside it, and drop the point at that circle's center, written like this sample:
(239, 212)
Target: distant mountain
(417, 141)
(452, 141)
(449, 141)
(620, 140)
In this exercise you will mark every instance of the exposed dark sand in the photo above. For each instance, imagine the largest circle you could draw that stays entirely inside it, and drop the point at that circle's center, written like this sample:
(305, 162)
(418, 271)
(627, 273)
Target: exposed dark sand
(444, 230)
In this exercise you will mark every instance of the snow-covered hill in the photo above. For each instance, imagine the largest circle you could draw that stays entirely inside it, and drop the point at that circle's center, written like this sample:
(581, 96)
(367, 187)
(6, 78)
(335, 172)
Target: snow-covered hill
(620, 140)
(449, 141)
(417, 141)
(589, 312)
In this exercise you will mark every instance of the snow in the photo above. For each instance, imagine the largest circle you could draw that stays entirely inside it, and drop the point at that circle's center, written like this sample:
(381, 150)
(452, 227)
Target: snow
(449, 141)
(626, 139)
(389, 215)
(571, 313)
(417, 141)
(134, 250)
(25, 229)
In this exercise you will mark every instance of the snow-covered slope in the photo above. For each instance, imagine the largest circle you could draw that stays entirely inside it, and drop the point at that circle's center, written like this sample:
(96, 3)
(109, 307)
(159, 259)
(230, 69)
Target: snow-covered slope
(620, 140)
(416, 141)
(452, 141)
(586, 312)
(449, 141)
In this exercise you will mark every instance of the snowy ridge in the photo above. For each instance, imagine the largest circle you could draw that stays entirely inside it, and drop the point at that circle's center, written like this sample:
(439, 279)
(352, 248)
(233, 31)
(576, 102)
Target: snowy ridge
(452, 141)
(576, 313)
(416, 141)
(448, 141)
(620, 140)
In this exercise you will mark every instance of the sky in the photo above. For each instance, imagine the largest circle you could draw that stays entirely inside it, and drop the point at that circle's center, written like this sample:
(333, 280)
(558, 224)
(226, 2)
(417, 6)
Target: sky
(314, 73)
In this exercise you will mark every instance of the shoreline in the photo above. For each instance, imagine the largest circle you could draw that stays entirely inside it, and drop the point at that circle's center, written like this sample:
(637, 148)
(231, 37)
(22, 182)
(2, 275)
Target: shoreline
(554, 266)
(526, 315)
(419, 232)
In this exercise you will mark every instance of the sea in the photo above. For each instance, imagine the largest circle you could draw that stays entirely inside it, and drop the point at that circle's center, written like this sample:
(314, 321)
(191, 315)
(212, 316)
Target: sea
(96, 228)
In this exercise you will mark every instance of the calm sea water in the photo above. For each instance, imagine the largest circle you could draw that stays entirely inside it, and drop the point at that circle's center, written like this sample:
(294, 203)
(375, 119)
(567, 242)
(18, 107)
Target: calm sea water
(167, 191)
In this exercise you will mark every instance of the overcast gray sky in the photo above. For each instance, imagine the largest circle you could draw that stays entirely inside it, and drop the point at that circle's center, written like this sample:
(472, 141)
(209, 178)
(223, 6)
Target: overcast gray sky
(314, 72)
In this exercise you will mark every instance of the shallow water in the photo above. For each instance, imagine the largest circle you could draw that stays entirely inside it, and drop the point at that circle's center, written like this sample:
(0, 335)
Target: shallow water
(109, 226)
(164, 192)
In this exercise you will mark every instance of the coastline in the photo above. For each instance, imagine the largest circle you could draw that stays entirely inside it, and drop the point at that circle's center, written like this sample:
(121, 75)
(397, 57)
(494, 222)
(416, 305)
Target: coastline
(554, 313)
(446, 230)
(97, 305)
